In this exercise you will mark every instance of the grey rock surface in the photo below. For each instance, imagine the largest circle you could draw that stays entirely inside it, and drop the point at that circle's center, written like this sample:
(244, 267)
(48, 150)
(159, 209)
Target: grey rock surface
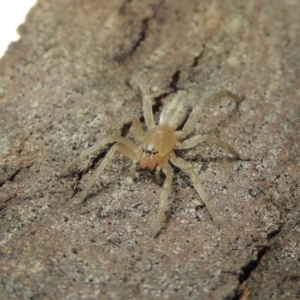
(72, 74)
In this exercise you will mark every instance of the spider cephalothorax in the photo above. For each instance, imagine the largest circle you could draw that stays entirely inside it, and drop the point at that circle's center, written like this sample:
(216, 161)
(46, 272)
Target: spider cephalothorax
(158, 142)
(156, 150)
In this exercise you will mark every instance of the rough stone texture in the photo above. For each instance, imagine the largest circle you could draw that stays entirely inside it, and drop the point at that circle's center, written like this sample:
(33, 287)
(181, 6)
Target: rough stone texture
(72, 74)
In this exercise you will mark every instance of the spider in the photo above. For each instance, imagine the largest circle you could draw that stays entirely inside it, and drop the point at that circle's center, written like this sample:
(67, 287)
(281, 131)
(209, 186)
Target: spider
(157, 145)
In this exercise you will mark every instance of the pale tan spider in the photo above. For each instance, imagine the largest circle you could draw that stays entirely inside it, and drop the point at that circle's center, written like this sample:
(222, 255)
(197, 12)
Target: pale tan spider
(157, 145)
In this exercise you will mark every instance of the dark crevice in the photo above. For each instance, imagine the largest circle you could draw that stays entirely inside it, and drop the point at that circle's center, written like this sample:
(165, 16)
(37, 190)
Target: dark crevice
(248, 269)
(246, 273)
(123, 8)
(252, 264)
(141, 38)
(198, 58)
(2, 206)
(5, 203)
(22, 144)
(273, 233)
(175, 80)
(90, 165)
(121, 57)
(2, 182)
(12, 177)
(158, 102)
(125, 129)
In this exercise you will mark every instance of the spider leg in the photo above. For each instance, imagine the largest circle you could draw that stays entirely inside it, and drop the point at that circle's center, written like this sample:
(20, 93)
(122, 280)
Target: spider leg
(157, 171)
(124, 149)
(147, 106)
(195, 140)
(187, 167)
(132, 170)
(198, 110)
(167, 169)
(102, 143)
(136, 126)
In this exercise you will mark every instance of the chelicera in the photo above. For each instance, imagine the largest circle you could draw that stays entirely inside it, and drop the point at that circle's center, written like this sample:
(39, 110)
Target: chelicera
(157, 145)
